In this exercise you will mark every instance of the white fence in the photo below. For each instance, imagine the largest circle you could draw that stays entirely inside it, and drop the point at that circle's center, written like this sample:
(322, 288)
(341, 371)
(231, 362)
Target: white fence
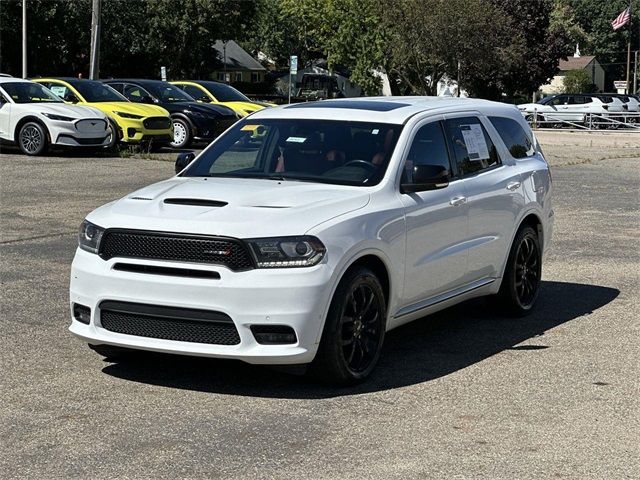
(623, 121)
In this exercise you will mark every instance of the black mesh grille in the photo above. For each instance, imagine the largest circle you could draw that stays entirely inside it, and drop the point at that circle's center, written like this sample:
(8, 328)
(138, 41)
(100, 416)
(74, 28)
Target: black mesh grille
(183, 248)
(157, 123)
(160, 322)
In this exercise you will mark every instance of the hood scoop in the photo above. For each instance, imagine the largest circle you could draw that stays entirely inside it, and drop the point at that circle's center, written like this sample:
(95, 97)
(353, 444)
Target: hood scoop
(196, 202)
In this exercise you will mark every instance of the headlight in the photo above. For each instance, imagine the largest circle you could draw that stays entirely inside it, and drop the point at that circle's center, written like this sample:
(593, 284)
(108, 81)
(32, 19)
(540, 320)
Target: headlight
(284, 252)
(89, 237)
(60, 118)
(129, 115)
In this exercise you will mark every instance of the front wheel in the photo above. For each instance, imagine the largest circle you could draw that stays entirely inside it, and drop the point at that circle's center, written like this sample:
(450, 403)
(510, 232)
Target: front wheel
(354, 329)
(182, 133)
(33, 139)
(521, 281)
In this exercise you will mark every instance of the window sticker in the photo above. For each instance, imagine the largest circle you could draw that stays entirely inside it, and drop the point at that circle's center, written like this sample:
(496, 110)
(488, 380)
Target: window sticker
(375, 131)
(296, 139)
(58, 90)
(475, 142)
(249, 128)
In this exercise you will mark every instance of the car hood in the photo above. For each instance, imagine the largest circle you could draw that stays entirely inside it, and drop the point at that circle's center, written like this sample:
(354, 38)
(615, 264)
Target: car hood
(141, 109)
(215, 110)
(246, 107)
(247, 208)
(73, 111)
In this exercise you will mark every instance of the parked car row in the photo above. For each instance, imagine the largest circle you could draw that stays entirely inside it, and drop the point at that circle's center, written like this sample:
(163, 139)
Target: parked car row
(70, 112)
(580, 108)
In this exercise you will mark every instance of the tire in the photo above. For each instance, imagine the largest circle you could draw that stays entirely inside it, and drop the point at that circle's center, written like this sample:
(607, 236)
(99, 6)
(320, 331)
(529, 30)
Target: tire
(33, 139)
(182, 133)
(354, 330)
(112, 352)
(115, 138)
(521, 281)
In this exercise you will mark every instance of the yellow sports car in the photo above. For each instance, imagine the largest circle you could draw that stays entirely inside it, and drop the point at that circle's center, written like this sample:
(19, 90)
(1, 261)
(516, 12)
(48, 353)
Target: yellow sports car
(131, 122)
(208, 91)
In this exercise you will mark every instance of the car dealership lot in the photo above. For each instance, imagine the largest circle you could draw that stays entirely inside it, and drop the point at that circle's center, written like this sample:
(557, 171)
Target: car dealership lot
(462, 394)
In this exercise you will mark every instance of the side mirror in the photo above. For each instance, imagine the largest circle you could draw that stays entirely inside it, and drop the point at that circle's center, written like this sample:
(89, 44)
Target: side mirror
(147, 99)
(204, 99)
(426, 177)
(183, 160)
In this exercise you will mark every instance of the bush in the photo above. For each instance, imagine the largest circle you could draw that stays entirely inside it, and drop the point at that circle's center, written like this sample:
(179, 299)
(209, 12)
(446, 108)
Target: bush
(578, 81)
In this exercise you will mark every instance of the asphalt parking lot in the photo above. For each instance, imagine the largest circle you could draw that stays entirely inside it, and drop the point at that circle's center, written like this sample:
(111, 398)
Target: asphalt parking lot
(461, 394)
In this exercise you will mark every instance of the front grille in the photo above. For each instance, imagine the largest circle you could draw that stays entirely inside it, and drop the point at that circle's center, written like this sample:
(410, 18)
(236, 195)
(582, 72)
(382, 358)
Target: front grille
(84, 141)
(91, 126)
(168, 323)
(229, 252)
(157, 123)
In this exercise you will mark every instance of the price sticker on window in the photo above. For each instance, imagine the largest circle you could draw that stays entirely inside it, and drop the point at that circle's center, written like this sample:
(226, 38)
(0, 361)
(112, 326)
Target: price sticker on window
(475, 142)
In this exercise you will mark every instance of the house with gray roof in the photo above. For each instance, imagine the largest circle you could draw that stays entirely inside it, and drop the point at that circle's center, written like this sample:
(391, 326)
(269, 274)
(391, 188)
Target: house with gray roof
(235, 65)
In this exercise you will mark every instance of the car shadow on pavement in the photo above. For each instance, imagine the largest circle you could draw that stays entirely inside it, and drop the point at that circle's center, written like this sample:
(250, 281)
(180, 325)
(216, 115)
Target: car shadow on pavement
(426, 349)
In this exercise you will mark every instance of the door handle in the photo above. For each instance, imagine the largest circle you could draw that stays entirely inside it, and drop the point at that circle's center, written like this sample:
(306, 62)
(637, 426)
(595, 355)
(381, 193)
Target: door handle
(456, 201)
(513, 186)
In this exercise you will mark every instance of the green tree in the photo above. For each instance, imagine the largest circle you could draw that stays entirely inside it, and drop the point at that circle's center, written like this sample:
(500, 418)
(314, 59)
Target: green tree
(577, 81)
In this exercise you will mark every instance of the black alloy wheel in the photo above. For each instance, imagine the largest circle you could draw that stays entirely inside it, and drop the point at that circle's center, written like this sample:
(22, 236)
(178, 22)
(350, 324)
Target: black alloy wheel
(521, 281)
(354, 330)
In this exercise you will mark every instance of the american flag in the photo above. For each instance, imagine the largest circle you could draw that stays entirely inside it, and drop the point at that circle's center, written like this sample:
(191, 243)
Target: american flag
(622, 19)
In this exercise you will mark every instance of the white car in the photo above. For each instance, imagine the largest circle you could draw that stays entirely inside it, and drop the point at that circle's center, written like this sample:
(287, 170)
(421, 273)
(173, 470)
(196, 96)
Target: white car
(34, 118)
(305, 232)
(575, 108)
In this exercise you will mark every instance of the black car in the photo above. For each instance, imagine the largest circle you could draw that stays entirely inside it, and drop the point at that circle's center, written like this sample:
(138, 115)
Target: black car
(192, 121)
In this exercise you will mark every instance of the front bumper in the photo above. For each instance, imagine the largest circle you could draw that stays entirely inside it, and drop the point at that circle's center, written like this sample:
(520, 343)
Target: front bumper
(209, 128)
(66, 134)
(296, 297)
(134, 131)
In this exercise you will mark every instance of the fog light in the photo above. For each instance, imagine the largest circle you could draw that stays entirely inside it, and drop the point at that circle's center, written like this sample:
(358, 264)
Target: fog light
(273, 334)
(131, 132)
(81, 313)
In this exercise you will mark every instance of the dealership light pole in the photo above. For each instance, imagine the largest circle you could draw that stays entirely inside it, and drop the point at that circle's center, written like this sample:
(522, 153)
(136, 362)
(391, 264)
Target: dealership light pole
(24, 38)
(94, 67)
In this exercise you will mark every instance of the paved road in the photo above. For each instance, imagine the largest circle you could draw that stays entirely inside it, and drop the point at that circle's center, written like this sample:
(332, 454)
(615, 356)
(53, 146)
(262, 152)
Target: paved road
(462, 394)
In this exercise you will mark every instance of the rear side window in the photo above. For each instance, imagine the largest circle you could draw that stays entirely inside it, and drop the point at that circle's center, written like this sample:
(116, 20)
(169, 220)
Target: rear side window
(471, 145)
(514, 137)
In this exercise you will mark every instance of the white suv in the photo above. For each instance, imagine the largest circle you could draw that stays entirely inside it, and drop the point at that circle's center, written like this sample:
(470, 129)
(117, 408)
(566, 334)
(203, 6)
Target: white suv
(574, 108)
(306, 232)
(32, 117)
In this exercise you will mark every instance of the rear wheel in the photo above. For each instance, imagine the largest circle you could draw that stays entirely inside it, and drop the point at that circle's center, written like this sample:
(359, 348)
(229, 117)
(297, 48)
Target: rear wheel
(33, 139)
(354, 329)
(521, 281)
(182, 133)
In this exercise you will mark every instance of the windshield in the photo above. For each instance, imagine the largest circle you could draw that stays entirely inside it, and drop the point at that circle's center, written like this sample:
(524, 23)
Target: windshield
(28, 92)
(225, 93)
(337, 152)
(168, 93)
(97, 92)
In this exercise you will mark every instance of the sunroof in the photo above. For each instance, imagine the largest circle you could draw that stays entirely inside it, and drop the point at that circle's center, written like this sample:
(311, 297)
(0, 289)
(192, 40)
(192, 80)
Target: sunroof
(374, 106)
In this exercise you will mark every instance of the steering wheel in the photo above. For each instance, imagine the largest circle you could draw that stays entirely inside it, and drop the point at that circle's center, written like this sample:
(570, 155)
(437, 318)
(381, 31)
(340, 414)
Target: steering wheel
(361, 163)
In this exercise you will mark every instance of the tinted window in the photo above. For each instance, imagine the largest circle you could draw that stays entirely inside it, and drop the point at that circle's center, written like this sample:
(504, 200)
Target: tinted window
(135, 93)
(225, 93)
(338, 152)
(471, 145)
(514, 137)
(429, 147)
(195, 92)
(96, 92)
(28, 92)
(63, 92)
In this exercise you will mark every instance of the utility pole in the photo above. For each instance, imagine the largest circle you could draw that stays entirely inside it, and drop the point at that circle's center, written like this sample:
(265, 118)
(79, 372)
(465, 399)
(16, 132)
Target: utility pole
(24, 38)
(629, 50)
(635, 74)
(94, 67)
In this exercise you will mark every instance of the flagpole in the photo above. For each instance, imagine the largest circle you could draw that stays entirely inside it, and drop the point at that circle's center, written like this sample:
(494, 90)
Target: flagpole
(628, 91)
